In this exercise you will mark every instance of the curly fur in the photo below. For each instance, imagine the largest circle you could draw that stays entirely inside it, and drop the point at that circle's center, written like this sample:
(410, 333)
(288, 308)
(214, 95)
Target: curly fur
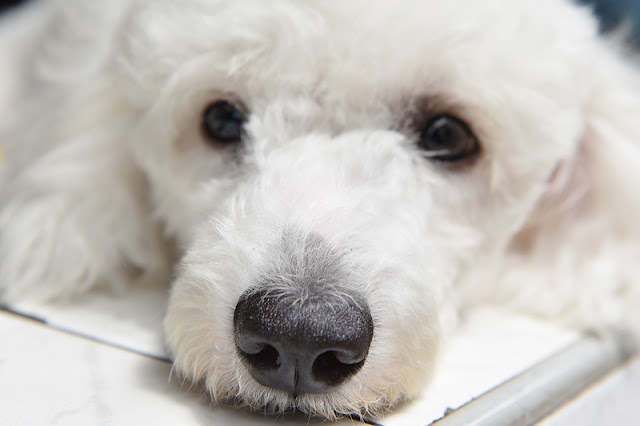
(106, 175)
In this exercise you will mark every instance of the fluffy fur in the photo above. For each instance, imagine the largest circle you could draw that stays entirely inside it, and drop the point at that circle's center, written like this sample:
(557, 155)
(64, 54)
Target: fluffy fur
(106, 176)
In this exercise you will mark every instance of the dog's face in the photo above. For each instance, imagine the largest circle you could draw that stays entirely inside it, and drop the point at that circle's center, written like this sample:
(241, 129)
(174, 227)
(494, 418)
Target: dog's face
(332, 169)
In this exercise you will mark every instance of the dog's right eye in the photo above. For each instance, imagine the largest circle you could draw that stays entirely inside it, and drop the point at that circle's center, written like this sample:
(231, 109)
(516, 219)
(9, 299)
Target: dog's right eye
(448, 139)
(224, 122)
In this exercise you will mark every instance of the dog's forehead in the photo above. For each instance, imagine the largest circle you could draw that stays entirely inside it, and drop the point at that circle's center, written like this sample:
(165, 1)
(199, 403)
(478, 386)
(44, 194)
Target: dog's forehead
(373, 43)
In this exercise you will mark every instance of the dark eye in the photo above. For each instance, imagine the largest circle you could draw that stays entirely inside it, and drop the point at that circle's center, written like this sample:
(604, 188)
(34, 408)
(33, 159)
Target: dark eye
(446, 138)
(224, 122)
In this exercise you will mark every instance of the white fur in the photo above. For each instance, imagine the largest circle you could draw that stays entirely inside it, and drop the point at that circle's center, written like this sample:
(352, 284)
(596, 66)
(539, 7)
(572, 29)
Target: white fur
(106, 173)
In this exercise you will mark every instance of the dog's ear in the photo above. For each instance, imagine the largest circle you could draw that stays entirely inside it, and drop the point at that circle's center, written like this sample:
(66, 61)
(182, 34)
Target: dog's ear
(73, 207)
(581, 243)
(610, 156)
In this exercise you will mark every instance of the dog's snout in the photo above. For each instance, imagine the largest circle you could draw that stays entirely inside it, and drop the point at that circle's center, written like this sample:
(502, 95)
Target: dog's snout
(302, 346)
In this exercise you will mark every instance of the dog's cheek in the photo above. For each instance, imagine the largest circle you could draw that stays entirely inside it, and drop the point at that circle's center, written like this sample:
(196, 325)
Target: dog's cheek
(407, 337)
(192, 331)
(198, 321)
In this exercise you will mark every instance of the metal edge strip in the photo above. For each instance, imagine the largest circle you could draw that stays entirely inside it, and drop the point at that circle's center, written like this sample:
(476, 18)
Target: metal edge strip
(537, 392)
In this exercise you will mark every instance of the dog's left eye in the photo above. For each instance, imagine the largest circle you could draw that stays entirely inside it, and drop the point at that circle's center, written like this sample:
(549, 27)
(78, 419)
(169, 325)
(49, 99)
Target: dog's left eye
(446, 138)
(224, 122)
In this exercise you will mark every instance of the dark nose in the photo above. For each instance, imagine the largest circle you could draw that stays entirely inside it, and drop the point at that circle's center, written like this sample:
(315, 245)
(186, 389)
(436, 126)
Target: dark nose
(302, 346)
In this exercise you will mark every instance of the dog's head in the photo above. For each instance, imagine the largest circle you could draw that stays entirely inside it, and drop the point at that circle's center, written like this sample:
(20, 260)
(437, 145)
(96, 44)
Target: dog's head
(341, 175)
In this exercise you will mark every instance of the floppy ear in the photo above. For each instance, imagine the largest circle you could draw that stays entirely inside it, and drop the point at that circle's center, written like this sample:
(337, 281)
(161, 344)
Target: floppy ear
(580, 246)
(73, 206)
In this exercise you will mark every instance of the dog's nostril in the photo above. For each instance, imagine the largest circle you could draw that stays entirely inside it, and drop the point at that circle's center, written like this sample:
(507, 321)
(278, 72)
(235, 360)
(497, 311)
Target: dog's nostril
(334, 367)
(262, 356)
(309, 346)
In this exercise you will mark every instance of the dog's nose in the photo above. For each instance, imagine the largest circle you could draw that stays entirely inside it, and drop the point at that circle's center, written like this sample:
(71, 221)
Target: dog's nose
(302, 346)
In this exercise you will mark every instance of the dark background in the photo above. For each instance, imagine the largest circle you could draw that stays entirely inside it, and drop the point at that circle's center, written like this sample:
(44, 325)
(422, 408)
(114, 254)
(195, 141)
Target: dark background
(7, 3)
(614, 12)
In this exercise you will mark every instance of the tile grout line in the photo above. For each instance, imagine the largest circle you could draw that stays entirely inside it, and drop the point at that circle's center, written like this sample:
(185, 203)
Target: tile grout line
(85, 336)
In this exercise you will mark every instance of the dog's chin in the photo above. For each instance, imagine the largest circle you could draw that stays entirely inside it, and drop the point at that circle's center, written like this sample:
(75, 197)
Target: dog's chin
(330, 406)
(356, 398)
(214, 363)
(200, 338)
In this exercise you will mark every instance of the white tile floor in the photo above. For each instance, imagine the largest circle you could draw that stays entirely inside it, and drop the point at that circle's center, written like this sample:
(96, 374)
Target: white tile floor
(54, 377)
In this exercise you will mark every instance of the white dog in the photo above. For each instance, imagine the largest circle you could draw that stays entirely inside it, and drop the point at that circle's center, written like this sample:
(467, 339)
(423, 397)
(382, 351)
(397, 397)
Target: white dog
(340, 179)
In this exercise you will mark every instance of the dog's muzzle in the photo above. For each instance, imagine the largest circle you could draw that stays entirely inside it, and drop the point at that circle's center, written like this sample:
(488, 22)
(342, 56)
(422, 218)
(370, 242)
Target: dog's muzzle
(299, 345)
